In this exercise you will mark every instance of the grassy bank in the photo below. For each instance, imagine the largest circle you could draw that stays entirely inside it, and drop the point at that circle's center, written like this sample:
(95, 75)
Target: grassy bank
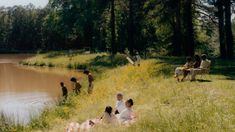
(76, 60)
(161, 103)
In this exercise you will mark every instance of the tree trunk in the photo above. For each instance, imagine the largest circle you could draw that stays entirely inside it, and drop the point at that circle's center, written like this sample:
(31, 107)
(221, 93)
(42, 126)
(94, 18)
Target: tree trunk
(228, 29)
(131, 28)
(177, 33)
(189, 46)
(112, 26)
(223, 51)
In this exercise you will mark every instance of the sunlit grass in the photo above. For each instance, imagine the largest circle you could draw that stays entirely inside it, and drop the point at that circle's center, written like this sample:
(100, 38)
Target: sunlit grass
(161, 103)
(58, 59)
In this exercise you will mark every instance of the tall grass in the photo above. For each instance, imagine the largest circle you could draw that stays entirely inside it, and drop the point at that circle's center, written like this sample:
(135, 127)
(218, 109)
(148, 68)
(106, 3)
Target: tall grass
(161, 103)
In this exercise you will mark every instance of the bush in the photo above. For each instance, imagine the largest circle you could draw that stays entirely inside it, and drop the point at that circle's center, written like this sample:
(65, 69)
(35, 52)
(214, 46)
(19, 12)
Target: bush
(51, 65)
(69, 66)
(80, 66)
(119, 59)
(24, 63)
(42, 64)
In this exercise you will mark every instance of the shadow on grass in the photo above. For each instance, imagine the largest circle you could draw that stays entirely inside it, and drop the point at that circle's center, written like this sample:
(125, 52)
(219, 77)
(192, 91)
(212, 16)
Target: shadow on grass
(108, 61)
(219, 67)
(203, 80)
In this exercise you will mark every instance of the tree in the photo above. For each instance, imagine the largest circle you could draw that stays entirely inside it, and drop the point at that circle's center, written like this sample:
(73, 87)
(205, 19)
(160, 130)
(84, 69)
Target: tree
(177, 30)
(189, 42)
(228, 29)
(113, 28)
(223, 52)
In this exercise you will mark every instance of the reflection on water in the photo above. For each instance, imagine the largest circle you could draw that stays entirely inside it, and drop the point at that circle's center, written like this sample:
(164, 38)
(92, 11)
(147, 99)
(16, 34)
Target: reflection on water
(25, 91)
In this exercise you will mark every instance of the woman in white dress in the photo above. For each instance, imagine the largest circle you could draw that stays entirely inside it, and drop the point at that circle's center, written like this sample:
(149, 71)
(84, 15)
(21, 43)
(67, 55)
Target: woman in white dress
(108, 118)
(126, 116)
(180, 70)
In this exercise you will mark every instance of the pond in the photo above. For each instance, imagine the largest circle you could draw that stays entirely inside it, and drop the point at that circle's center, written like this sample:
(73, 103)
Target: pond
(25, 91)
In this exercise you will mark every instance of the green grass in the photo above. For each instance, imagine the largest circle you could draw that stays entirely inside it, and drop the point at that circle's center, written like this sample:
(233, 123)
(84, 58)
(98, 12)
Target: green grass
(161, 103)
(62, 59)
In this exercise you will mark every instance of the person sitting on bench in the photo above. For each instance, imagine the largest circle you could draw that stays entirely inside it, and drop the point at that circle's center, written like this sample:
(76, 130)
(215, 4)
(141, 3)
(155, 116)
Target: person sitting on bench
(204, 67)
(180, 70)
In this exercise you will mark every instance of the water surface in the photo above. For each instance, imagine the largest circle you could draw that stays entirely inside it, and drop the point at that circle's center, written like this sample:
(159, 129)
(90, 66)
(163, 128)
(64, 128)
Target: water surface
(25, 91)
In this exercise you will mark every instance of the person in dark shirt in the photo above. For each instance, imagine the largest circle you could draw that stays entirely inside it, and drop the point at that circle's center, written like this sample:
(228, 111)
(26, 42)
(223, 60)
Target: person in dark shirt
(64, 90)
(77, 85)
(90, 81)
(197, 63)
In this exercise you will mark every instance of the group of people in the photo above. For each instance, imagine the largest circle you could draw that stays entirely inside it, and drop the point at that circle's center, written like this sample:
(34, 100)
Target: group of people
(122, 115)
(193, 67)
(77, 86)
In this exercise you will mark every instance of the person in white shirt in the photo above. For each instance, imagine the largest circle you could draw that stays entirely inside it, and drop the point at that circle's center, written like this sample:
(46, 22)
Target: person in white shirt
(126, 116)
(120, 104)
(204, 67)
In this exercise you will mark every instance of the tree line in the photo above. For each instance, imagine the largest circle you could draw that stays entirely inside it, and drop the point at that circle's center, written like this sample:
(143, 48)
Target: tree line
(173, 27)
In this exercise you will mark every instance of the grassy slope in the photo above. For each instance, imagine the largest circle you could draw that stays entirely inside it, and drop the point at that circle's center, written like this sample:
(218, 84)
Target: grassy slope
(161, 103)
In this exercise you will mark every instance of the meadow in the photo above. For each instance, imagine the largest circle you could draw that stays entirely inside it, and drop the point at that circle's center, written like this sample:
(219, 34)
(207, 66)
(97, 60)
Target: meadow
(160, 102)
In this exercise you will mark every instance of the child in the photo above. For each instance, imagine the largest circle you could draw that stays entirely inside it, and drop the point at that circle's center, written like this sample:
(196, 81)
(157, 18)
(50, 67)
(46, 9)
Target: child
(64, 90)
(120, 104)
(90, 81)
(77, 85)
(126, 116)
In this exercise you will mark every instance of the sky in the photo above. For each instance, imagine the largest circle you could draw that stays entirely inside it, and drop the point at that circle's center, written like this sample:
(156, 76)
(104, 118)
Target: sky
(37, 3)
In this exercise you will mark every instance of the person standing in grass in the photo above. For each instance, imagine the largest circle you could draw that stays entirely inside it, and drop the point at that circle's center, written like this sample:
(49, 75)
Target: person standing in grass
(64, 90)
(137, 58)
(77, 85)
(120, 104)
(90, 81)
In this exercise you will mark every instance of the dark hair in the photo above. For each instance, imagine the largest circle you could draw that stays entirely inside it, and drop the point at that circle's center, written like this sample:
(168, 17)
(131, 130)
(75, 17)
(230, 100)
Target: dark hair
(197, 58)
(189, 59)
(109, 110)
(204, 56)
(73, 79)
(119, 94)
(86, 72)
(130, 101)
(61, 83)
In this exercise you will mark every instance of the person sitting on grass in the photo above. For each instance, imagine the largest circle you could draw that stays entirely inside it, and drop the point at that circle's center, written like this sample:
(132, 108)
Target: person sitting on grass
(126, 117)
(204, 67)
(120, 104)
(77, 85)
(90, 81)
(64, 91)
(108, 118)
(180, 70)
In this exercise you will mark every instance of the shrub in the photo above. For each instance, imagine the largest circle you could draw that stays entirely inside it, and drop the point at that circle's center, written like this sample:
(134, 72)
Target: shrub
(80, 66)
(42, 64)
(119, 59)
(69, 66)
(51, 64)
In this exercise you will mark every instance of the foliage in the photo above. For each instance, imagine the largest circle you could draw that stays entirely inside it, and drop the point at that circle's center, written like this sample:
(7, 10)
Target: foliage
(175, 27)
